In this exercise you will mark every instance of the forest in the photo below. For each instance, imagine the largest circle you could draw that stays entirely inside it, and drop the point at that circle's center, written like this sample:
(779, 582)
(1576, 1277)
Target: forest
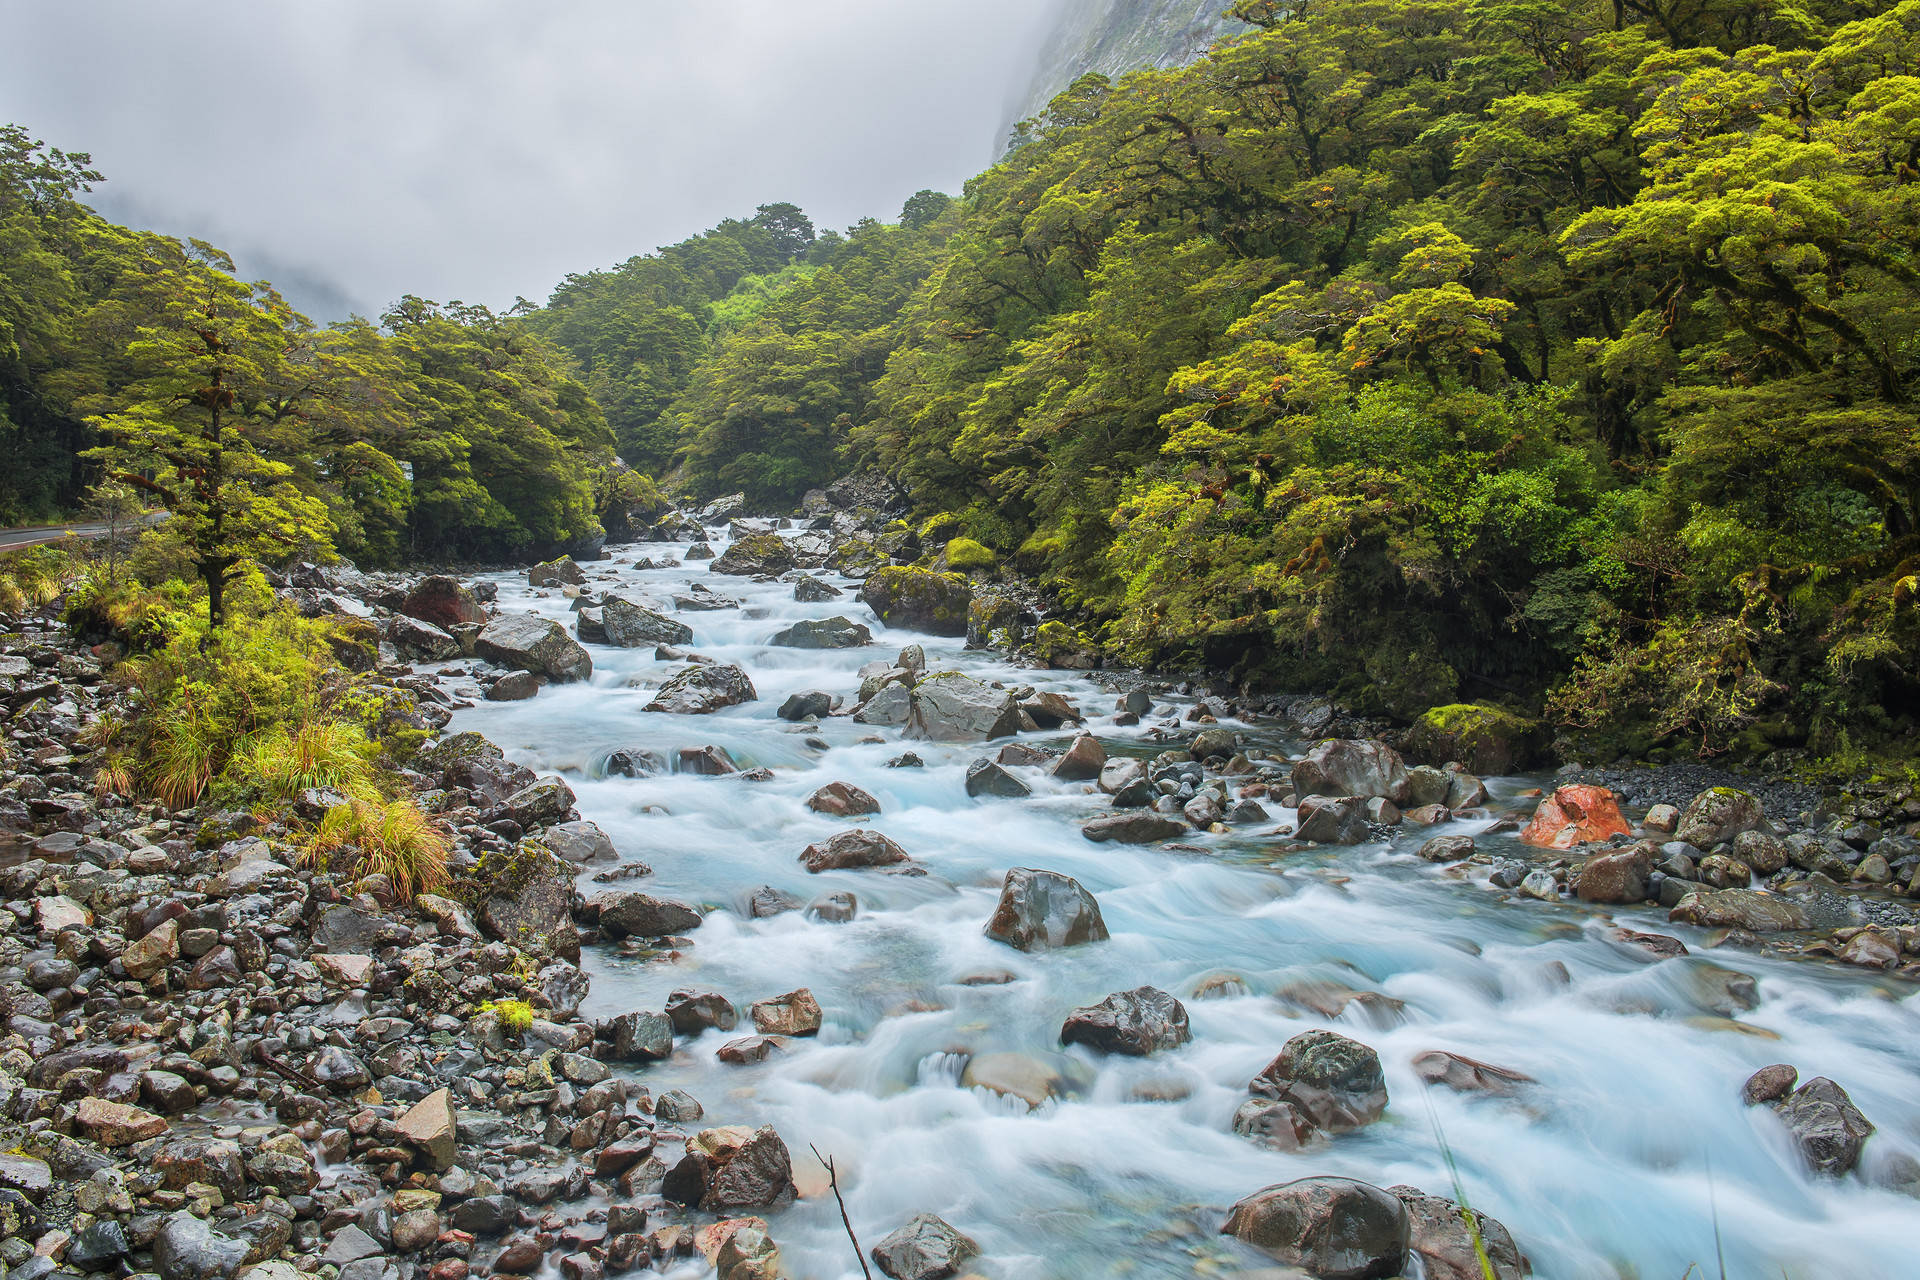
(1559, 357)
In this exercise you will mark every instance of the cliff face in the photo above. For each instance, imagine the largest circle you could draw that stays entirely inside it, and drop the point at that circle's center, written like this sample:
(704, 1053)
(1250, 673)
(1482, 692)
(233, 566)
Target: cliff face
(1117, 36)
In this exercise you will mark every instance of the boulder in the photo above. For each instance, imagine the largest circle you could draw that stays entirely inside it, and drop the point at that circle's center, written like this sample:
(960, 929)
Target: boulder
(1618, 877)
(1135, 1023)
(851, 850)
(1445, 1245)
(1769, 1084)
(527, 642)
(418, 641)
(754, 555)
(799, 706)
(580, 843)
(842, 800)
(152, 951)
(187, 1248)
(1132, 828)
(1084, 761)
(1351, 767)
(1718, 814)
(1333, 819)
(1487, 740)
(693, 1012)
(1575, 814)
(987, 778)
(730, 1169)
(823, 633)
(926, 1248)
(919, 599)
(627, 914)
(1446, 849)
(631, 626)
(515, 686)
(641, 1036)
(115, 1124)
(1119, 774)
(431, 1128)
(557, 573)
(1748, 909)
(810, 590)
(796, 1013)
(703, 689)
(443, 602)
(1040, 910)
(1332, 1228)
(950, 707)
(1334, 1081)
(1828, 1130)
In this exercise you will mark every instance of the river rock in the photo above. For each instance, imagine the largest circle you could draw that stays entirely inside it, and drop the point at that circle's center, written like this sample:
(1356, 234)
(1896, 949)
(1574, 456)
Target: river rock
(1333, 1228)
(1575, 814)
(631, 626)
(1769, 1084)
(1618, 877)
(1083, 761)
(926, 1248)
(731, 1169)
(1333, 819)
(754, 555)
(115, 1124)
(1351, 767)
(1135, 1023)
(1118, 774)
(796, 1013)
(850, 850)
(515, 686)
(1132, 828)
(188, 1249)
(842, 800)
(1748, 909)
(557, 573)
(799, 706)
(919, 599)
(627, 914)
(950, 707)
(1040, 910)
(1486, 739)
(1033, 1078)
(987, 778)
(533, 907)
(640, 1036)
(1335, 1082)
(418, 641)
(1468, 1075)
(1716, 815)
(810, 590)
(1447, 849)
(693, 1012)
(706, 762)
(1446, 1247)
(581, 843)
(526, 642)
(824, 633)
(444, 603)
(1827, 1128)
(152, 952)
(431, 1127)
(703, 689)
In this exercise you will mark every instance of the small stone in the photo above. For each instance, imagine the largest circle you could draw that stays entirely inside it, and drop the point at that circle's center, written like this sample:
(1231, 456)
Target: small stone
(795, 1014)
(926, 1248)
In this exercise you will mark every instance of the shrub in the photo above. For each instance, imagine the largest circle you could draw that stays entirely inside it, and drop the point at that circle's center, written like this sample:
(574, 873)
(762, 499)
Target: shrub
(394, 839)
(319, 753)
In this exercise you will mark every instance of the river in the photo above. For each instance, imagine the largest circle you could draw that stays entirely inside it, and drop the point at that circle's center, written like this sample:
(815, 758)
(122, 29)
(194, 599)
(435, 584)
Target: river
(1618, 1164)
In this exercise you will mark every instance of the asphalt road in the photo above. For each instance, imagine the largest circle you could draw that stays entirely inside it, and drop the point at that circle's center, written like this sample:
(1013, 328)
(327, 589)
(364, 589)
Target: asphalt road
(14, 539)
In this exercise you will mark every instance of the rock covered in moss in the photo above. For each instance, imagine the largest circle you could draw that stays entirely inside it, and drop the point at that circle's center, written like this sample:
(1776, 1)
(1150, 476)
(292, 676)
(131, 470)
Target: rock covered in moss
(919, 599)
(1487, 740)
(755, 554)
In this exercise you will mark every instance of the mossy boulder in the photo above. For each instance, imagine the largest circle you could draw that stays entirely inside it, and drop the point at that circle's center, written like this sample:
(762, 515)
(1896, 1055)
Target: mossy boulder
(964, 555)
(919, 599)
(1486, 739)
(756, 554)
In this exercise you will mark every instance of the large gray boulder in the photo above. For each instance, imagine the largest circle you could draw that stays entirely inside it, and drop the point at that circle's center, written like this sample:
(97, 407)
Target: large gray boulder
(1828, 1130)
(726, 1170)
(926, 1248)
(1333, 819)
(1135, 1023)
(444, 603)
(1040, 910)
(950, 707)
(754, 555)
(1718, 814)
(531, 906)
(628, 914)
(188, 1249)
(1332, 1228)
(919, 599)
(851, 850)
(1352, 767)
(1334, 1081)
(1748, 909)
(702, 689)
(527, 642)
(823, 633)
(631, 626)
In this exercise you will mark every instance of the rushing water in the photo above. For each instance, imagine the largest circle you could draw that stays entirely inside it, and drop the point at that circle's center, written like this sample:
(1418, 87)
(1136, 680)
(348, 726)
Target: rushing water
(1618, 1164)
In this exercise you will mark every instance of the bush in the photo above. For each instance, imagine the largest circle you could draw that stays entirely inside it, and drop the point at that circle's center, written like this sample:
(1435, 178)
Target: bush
(394, 839)
(35, 576)
(331, 754)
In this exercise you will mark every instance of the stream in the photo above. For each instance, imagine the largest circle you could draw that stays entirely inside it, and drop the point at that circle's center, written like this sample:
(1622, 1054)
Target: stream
(1618, 1163)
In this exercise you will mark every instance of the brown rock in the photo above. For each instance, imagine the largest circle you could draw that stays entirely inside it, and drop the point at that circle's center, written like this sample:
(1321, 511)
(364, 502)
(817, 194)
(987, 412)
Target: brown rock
(1575, 814)
(796, 1013)
(842, 800)
(114, 1124)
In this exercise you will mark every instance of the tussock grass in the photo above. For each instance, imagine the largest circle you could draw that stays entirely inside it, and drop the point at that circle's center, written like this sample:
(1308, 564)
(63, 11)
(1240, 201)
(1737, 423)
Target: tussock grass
(328, 754)
(391, 838)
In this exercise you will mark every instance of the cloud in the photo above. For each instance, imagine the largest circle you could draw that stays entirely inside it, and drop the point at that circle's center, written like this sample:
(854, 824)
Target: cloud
(357, 150)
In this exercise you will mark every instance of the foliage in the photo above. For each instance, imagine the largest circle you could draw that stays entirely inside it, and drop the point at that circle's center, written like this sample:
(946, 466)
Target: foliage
(322, 754)
(391, 838)
(516, 1016)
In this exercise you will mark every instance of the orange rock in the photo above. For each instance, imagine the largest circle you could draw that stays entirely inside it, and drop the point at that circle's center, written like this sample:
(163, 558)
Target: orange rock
(1572, 815)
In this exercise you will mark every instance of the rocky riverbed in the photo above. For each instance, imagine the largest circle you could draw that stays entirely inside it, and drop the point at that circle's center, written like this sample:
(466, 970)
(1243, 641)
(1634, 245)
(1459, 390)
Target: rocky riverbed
(756, 859)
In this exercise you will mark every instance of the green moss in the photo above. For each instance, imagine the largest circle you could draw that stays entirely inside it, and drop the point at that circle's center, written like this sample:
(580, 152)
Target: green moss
(964, 555)
(516, 1016)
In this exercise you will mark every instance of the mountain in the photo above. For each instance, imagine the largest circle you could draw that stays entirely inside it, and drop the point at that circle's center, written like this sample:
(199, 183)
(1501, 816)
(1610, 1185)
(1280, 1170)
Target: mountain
(1117, 36)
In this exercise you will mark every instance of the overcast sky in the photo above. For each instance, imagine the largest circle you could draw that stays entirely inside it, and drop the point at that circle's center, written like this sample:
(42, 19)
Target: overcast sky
(357, 150)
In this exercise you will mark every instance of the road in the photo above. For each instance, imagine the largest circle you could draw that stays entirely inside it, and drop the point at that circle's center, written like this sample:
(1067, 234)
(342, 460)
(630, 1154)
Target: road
(14, 539)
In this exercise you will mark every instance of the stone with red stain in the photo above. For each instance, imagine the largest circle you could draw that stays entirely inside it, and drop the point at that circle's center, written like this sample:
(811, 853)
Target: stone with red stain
(1575, 814)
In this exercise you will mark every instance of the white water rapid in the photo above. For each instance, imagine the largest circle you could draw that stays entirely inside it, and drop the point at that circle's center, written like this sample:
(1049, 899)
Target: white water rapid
(1617, 1164)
